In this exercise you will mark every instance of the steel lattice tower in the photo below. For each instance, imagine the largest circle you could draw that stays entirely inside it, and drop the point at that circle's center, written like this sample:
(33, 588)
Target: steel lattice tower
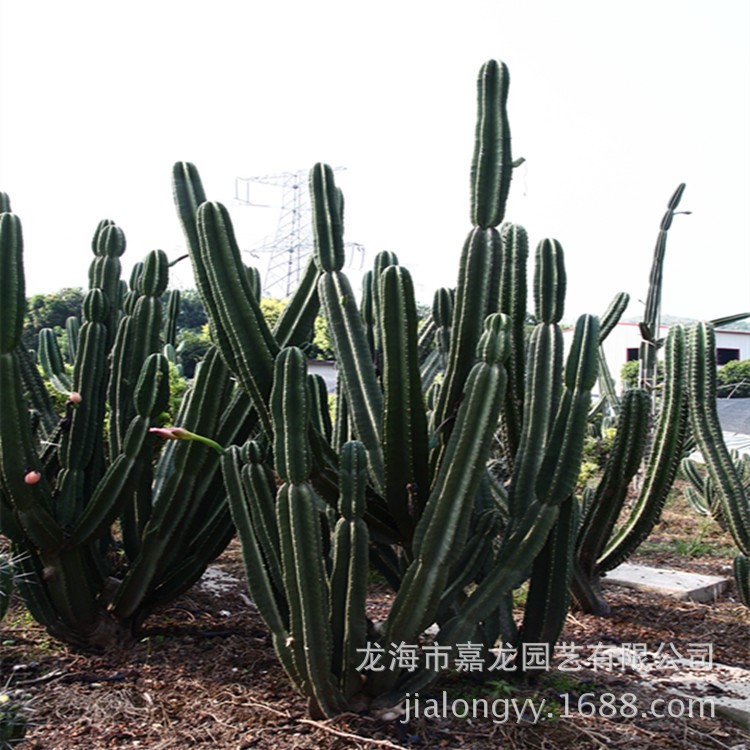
(288, 249)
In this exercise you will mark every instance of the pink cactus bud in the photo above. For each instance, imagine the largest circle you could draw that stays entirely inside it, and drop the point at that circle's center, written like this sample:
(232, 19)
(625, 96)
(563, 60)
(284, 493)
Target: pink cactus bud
(32, 477)
(74, 397)
(171, 433)
(180, 433)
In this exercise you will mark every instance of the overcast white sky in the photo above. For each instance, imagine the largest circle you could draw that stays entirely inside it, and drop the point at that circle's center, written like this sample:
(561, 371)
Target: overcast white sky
(612, 104)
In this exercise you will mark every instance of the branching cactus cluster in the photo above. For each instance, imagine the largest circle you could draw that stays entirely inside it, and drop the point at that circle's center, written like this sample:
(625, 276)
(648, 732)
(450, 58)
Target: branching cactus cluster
(105, 533)
(449, 466)
(403, 479)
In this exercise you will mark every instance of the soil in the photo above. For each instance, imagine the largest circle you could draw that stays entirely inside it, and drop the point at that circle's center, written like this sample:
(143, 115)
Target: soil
(205, 674)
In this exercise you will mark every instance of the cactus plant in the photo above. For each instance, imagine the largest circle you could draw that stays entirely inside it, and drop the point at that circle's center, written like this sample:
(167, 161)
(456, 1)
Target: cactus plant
(726, 475)
(415, 430)
(605, 539)
(61, 496)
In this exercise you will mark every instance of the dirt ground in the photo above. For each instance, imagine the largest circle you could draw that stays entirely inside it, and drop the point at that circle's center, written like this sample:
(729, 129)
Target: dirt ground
(205, 675)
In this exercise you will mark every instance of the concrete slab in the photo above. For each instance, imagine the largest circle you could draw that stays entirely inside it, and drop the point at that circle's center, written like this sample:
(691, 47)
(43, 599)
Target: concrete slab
(723, 690)
(673, 583)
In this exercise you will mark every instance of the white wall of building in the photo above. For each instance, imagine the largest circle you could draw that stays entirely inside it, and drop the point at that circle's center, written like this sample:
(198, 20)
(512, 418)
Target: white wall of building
(627, 336)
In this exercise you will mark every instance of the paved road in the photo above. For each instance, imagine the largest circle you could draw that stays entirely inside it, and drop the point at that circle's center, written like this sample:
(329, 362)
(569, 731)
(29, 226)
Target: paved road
(734, 414)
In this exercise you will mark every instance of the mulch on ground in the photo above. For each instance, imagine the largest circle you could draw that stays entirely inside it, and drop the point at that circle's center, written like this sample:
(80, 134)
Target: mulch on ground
(205, 675)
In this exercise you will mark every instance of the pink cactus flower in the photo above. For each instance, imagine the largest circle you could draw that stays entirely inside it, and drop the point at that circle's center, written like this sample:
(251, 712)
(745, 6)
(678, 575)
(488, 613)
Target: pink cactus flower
(180, 433)
(32, 477)
(171, 433)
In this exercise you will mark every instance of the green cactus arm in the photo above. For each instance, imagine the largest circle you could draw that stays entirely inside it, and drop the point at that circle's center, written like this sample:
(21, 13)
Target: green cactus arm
(663, 460)
(704, 420)
(443, 527)
(290, 411)
(161, 542)
(364, 398)
(651, 316)
(366, 310)
(13, 284)
(404, 419)
(320, 413)
(492, 164)
(542, 395)
(475, 555)
(18, 459)
(549, 282)
(173, 313)
(260, 583)
(116, 487)
(526, 536)
(327, 219)
(697, 501)
(548, 597)
(612, 315)
(236, 321)
(689, 469)
(559, 469)
(296, 322)
(84, 430)
(104, 273)
(51, 361)
(72, 330)
(512, 302)
(259, 486)
(480, 253)
(349, 571)
(607, 383)
(622, 464)
(384, 259)
(188, 194)
(741, 569)
(426, 338)
(307, 593)
(40, 402)
(341, 424)
(217, 532)
(138, 336)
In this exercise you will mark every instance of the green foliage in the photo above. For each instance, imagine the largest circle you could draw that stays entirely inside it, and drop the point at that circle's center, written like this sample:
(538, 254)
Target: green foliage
(51, 311)
(629, 374)
(733, 379)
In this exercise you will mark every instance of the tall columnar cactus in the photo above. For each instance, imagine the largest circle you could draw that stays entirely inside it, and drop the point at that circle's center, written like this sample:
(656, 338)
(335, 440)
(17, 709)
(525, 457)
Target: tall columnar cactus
(60, 496)
(723, 472)
(602, 545)
(652, 315)
(173, 313)
(418, 419)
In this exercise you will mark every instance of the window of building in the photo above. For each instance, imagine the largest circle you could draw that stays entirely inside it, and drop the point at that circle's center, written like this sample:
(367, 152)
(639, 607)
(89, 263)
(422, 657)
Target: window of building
(726, 355)
(632, 354)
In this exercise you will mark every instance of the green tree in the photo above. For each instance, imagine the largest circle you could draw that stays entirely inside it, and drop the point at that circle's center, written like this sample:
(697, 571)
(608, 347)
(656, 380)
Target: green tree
(192, 315)
(50, 311)
(733, 379)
